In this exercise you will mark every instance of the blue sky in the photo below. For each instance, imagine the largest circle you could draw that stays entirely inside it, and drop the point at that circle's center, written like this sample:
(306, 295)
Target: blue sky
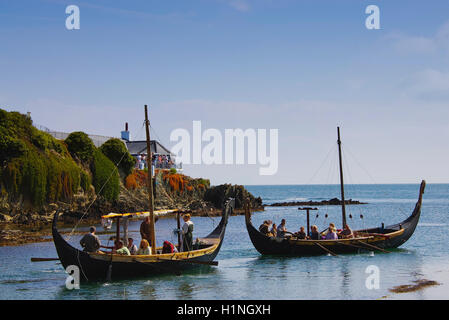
(302, 67)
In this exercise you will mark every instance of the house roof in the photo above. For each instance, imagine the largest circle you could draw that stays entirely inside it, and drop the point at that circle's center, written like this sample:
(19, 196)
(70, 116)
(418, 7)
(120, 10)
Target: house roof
(140, 147)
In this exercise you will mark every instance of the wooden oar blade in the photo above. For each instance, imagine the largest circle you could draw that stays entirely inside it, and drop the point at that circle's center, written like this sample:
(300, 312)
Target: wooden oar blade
(43, 259)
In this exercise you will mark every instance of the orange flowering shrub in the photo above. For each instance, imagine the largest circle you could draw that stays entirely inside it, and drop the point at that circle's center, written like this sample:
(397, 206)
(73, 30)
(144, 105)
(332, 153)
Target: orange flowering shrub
(131, 183)
(177, 181)
(137, 179)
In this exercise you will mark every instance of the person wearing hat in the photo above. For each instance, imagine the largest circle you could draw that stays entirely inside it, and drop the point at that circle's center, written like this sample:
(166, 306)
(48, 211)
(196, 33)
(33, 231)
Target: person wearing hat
(187, 233)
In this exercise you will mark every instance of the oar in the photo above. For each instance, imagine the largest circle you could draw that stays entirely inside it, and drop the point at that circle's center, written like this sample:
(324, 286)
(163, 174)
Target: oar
(351, 245)
(325, 249)
(373, 246)
(43, 259)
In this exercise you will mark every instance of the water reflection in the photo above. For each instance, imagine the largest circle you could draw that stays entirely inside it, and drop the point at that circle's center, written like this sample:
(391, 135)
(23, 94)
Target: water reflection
(185, 290)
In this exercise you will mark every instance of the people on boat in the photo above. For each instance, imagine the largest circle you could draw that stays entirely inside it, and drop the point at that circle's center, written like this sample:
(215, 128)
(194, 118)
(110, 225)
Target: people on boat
(346, 233)
(168, 247)
(281, 230)
(187, 233)
(144, 248)
(325, 232)
(301, 234)
(121, 249)
(131, 246)
(90, 241)
(314, 234)
(331, 234)
(273, 231)
(265, 227)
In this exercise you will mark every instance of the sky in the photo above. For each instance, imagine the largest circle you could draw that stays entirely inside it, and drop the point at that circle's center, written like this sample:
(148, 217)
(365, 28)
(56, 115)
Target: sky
(301, 67)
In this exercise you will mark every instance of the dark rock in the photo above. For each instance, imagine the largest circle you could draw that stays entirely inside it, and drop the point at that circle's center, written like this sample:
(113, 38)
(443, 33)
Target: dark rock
(331, 202)
(219, 194)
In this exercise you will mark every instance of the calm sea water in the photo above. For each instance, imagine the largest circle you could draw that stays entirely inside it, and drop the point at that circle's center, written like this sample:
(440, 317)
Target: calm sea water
(244, 274)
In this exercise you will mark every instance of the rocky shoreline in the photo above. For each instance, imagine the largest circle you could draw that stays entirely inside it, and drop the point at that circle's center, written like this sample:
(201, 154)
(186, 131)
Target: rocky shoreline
(19, 234)
(331, 202)
(19, 225)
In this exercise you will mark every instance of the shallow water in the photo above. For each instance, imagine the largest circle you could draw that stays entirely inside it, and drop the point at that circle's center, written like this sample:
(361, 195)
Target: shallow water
(244, 274)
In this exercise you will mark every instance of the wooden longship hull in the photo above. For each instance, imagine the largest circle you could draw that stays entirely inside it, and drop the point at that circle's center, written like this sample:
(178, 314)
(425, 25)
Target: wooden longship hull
(368, 239)
(105, 266)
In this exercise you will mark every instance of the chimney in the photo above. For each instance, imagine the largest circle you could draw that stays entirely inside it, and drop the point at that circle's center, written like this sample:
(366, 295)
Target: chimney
(125, 134)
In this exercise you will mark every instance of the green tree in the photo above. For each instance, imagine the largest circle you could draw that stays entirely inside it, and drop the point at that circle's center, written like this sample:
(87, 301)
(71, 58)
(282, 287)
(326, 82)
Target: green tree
(117, 152)
(81, 146)
(106, 179)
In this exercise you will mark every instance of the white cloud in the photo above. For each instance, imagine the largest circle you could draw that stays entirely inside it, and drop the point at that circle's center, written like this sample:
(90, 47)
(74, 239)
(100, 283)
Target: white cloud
(239, 5)
(429, 84)
(421, 44)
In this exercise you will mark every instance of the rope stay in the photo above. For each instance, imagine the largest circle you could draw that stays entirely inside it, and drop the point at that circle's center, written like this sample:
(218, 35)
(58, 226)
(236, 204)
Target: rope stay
(95, 197)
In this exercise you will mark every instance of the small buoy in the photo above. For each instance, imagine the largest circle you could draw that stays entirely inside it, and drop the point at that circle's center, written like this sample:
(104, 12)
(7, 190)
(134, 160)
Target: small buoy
(371, 254)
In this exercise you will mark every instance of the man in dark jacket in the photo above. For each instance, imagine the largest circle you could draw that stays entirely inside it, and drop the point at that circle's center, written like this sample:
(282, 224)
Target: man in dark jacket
(90, 241)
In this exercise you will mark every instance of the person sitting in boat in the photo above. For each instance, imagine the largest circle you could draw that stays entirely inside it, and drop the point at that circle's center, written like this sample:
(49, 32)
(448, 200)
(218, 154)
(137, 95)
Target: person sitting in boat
(131, 246)
(301, 234)
(314, 234)
(331, 234)
(144, 248)
(273, 231)
(121, 249)
(168, 247)
(187, 233)
(265, 227)
(90, 241)
(346, 233)
(325, 232)
(281, 230)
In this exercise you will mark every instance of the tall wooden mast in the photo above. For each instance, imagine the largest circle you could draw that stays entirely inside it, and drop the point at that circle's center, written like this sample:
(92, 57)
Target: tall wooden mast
(150, 182)
(343, 208)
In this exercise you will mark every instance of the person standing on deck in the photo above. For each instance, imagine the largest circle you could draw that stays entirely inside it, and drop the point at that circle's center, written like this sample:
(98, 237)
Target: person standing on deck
(90, 241)
(187, 234)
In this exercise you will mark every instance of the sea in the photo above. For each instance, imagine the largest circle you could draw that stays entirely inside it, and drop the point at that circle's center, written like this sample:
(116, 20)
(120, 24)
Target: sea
(243, 273)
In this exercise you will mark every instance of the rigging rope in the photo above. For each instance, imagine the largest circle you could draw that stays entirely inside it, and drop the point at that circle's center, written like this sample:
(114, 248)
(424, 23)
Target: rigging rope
(322, 163)
(95, 197)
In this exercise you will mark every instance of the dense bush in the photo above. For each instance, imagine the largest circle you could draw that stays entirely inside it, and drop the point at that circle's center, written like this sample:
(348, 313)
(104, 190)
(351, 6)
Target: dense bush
(117, 152)
(36, 167)
(105, 176)
(10, 148)
(85, 180)
(41, 178)
(15, 124)
(81, 146)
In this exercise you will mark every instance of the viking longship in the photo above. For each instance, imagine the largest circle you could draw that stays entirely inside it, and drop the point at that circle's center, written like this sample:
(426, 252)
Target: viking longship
(378, 238)
(105, 266)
